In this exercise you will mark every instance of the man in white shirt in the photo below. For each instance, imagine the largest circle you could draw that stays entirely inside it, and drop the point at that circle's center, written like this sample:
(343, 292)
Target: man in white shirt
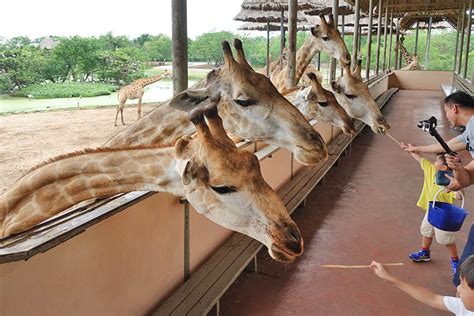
(462, 305)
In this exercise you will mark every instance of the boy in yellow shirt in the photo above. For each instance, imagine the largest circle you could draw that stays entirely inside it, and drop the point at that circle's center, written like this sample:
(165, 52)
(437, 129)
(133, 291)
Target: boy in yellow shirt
(427, 194)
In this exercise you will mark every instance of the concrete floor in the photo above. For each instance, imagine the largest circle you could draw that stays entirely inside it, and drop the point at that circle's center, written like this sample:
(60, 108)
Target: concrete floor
(364, 211)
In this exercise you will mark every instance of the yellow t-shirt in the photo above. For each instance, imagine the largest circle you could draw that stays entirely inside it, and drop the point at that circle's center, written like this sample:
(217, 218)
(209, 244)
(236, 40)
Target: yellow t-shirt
(430, 187)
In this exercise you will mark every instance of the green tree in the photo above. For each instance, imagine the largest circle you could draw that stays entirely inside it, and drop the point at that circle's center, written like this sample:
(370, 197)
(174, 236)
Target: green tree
(207, 47)
(119, 68)
(158, 48)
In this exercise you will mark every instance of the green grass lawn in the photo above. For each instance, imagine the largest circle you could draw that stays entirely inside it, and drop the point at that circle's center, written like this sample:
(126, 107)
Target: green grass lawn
(66, 90)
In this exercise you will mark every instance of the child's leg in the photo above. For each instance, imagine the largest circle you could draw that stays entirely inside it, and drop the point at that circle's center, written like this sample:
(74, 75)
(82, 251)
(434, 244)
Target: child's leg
(427, 232)
(426, 242)
(448, 239)
(453, 250)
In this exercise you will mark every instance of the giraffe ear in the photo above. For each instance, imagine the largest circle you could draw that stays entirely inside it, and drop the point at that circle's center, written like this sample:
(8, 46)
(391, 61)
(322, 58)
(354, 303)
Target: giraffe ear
(335, 86)
(308, 94)
(186, 170)
(190, 99)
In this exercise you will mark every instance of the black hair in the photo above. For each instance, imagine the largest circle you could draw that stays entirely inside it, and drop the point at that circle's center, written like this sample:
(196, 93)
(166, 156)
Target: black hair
(461, 99)
(466, 271)
(440, 156)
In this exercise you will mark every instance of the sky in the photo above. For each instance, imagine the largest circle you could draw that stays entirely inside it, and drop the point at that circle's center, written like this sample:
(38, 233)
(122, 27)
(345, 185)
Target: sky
(37, 18)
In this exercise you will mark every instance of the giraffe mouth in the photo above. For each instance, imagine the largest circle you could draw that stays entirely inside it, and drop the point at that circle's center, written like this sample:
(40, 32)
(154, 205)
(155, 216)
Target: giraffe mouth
(310, 157)
(281, 255)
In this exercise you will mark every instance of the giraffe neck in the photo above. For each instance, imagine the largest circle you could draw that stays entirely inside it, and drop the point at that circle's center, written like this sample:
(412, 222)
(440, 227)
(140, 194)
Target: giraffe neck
(163, 125)
(405, 54)
(147, 81)
(62, 183)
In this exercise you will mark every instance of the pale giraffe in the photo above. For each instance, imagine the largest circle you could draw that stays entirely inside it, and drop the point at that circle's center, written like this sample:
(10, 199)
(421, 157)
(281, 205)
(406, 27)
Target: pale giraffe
(411, 61)
(135, 90)
(306, 81)
(317, 103)
(249, 104)
(324, 37)
(354, 96)
(221, 182)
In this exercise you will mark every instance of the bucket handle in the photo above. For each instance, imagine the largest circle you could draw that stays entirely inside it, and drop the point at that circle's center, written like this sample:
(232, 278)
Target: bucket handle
(442, 189)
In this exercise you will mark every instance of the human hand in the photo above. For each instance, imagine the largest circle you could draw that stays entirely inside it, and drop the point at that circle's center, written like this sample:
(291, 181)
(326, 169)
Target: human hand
(380, 271)
(411, 148)
(455, 162)
(453, 185)
(403, 145)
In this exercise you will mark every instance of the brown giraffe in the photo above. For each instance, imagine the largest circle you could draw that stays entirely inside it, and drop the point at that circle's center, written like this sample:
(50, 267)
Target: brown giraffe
(135, 90)
(411, 61)
(354, 96)
(317, 103)
(221, 182)
(249, 104)
(306, 81)
(324, 37)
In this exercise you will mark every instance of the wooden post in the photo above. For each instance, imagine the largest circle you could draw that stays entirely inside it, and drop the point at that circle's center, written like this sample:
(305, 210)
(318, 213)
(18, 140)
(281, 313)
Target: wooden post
(355, 35)
(282, 31)
(384, 63)
(390, 45)
(179, 34)
(461, 42)
(428, 39)
(332, 62)
(319, 60)
(342, 35)
(369, 39)
(268, 49)
(458, 32)
(468, 39)
(292, 10)
(416, 36)
(379, 10)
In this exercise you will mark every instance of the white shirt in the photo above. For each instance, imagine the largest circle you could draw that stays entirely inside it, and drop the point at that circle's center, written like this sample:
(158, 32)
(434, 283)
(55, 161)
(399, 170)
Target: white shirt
(455, 306)
(468, 136)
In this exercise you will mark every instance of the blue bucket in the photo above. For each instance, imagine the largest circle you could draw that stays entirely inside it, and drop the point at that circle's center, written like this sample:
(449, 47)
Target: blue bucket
(446, 216)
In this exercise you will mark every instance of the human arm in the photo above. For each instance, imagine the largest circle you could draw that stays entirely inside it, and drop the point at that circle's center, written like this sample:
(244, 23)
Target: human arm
(463, 171)
(419, 293)
(416, 155)
(455, 144)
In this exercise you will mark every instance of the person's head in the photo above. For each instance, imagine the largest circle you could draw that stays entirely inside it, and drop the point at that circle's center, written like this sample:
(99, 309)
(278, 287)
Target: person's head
(459, 107)
(466, 288)
(440, 161)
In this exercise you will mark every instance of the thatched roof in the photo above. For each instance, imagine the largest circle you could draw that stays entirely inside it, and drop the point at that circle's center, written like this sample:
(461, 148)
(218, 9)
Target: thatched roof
(438, 22)
(252, 26)
(325, 7)
(447, 9)
(277, 5)
(266, 16)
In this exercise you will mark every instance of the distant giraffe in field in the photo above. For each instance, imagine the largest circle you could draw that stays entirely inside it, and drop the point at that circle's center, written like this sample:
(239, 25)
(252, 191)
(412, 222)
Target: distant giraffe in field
(411, 61)
(134, 91)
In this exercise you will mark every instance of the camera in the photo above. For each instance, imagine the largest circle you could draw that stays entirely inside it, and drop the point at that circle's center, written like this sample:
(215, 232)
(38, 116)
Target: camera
(428, 125)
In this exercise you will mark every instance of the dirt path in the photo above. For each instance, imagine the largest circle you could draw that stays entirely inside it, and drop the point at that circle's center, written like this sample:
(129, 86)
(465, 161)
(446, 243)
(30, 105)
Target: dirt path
(28, 139)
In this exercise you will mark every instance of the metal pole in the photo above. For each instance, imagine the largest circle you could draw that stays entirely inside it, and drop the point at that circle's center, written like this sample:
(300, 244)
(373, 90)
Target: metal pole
(384, 63)
(282, 32)
(416, 36)
(457, 39)
(342, 35)
(461, 42)
(291, 42)
(468, 39)
(268, 49)
(390, 45)
(369, 39)
(319, 61)
(379, 11)
(428, 39)
(397, 40)
(355, 35)
(179, 34)
(186, 263)
(332, 62)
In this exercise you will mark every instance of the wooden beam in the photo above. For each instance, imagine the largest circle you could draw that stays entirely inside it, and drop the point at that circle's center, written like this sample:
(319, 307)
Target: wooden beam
(332, 61)
(369, 39)
(292, 10)
(468, 39)
(355, 35)
(179, 35)
(379, 10)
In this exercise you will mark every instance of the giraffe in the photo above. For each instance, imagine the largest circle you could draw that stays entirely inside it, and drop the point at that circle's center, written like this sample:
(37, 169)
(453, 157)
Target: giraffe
(306, 81)
(324, 37)
(315, 102)
(221, 182)
(135, 90)
(249, 104)
(354, 96)
(411, 61)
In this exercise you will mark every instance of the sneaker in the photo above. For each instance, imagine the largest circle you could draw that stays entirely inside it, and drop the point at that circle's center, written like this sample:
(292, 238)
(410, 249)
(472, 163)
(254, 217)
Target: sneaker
(454, 266)
(421, 255)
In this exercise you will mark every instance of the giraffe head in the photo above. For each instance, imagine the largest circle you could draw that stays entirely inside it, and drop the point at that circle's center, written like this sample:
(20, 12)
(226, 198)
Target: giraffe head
(252, 108)
(323, 106)
(355, 98)
(330, 40)
(166, 74)
(225, 184)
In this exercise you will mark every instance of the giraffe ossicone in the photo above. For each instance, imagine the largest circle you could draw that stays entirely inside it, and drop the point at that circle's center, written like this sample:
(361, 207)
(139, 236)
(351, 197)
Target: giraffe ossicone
(221, 182)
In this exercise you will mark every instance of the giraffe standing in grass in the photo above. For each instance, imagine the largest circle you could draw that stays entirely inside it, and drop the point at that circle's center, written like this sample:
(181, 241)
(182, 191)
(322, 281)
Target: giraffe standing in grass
(134, 91)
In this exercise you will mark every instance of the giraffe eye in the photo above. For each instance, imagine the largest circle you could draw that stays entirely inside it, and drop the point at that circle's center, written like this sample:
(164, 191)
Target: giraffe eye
(245, 103)
(323, 104)
(350, 96)
(224, 189)
(325, 38)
